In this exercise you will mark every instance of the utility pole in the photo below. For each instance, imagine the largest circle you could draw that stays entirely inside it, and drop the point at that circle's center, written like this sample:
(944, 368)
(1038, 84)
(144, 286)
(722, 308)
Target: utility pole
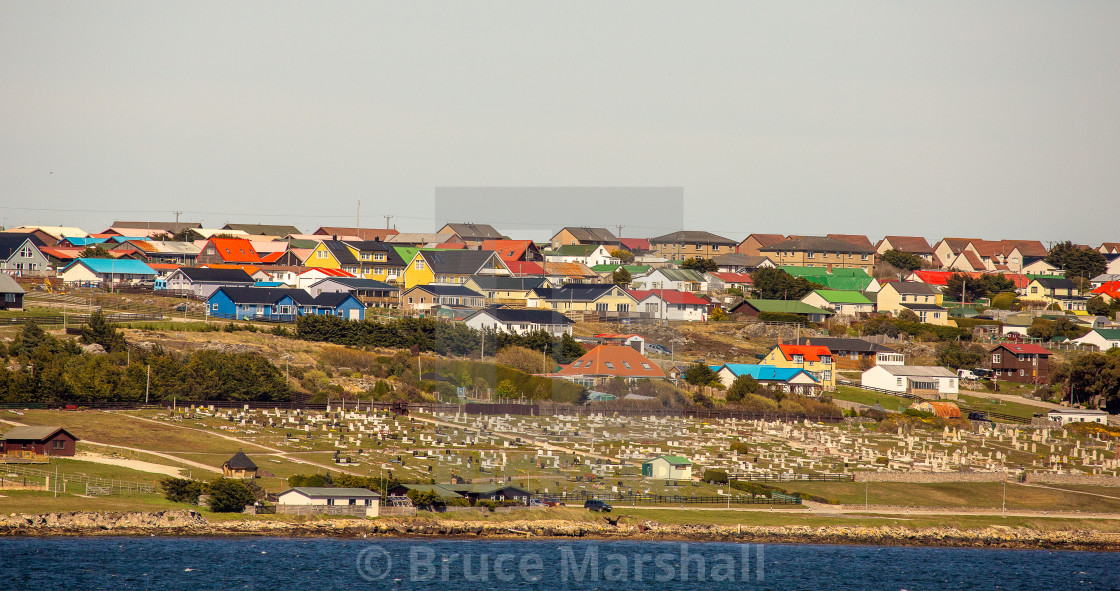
(148, 384)
(358, 219)
(176, 217)
(387, 218)
(620, 227)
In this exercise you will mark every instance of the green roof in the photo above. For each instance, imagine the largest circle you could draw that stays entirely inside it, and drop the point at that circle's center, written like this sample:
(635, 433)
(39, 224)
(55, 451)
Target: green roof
(675, 460)
(785, 307)
(575, 250)
(844, 283)
(1109, 333)
(632, 269)
(842, 297)
(799, 271)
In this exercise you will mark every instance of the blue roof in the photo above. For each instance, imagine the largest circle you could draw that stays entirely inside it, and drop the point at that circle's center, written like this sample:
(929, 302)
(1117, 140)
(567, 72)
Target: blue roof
(129, 266)
(268, 284)
(84, 241)
(767, 373)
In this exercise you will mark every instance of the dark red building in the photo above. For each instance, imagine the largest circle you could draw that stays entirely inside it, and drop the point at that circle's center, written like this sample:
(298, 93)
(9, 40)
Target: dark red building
(51, 441)
(1020, 362)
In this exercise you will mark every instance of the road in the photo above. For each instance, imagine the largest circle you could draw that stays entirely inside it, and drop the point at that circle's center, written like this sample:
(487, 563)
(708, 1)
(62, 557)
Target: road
(1013, 398)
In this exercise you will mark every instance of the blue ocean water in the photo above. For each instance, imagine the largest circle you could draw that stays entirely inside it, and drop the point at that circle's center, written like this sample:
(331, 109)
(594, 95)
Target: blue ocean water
(318, 564)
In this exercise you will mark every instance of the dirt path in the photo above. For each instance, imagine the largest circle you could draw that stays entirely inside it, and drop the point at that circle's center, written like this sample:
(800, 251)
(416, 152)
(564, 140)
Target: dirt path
(133, 464)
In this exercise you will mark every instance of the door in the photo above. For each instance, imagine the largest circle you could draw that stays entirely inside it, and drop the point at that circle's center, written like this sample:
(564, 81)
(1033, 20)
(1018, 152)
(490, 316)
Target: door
(353, 314)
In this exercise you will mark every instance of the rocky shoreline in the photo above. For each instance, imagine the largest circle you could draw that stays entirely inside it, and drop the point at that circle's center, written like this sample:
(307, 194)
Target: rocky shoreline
(191, 523)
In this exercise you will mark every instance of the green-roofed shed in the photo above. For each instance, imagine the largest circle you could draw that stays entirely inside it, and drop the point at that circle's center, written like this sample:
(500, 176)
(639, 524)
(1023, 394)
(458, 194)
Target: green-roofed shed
(755, 307)
(668, 468)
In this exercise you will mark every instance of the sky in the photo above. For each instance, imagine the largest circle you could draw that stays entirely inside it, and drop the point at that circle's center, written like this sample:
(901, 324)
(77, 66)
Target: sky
(990, 119)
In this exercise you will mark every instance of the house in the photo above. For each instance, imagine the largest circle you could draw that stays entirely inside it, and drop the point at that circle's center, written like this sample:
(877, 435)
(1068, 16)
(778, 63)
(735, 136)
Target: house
(360, 501)
(670, 304)
(521, 321)
(606, 362)
(635, 246)
(667, 468)
(87, 272)
(280, 304)
(1108, 290)
(203, 281)
(581, 297)
(239, 466)
(678, 279)
(1109, 248)
(919, 298)
(508, 291)
(815, 359)
(170, 228)
(564, 273)
(947, 249)
(513, 250)
(1020, 362)
(856, 239)
(752, 245)
(892, 375)
(451, 267)
(849, 303)
(1047, 291)
(754, 308)
(577, 235)
(688, 244)
(348, 234)
(473, 493)
(1103, 338)
(229, 250)
(427, 240)
(1018, 254)
(376, 260)
(371, 293)
(424, 298)
(473, 234)
(11, 293)
(637, 341)
(915, 245)
(309, 277)
(789, 379)
(723, 280)
(50, 235)
(277, 230)
(821, 251)
(28, 441)
(334, 254)
(159, 251)
(584, 254)
(741, 263)
(21, 254)
(1066, 416)
(849, 353)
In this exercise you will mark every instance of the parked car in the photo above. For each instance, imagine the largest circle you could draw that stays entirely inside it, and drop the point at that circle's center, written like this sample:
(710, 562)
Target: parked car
(536, 503)
(982, 373)
(553, 502)
(659, 349)
(597, 505)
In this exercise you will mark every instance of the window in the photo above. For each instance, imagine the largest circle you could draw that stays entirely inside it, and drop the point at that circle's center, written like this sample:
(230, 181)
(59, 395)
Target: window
(215, 307)
(330, 502)
(863, 257)
(9, 297)
(810, 255)
(626, 365)
(369, 502)
(58, 444)
(598, 307)
(353, 502)
(995, 357)
(799, 359)
(898, 381)
(322, 254)
(646, 366)
(1022, 372)
(826, 359)
(609, 365)
(622, 307)
(419, 264)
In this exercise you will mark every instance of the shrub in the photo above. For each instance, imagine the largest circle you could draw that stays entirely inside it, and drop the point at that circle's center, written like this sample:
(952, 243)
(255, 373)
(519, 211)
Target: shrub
(715, 477)
(181, 490)
(229, 496)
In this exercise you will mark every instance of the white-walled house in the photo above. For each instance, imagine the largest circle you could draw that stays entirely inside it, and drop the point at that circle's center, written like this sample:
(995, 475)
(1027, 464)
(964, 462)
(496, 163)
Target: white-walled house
(1103, 338)
(890, 374)
(668, 468)
(521, 321)
(326, 497)
(670, 304)
(1066, 416)
(678, 279)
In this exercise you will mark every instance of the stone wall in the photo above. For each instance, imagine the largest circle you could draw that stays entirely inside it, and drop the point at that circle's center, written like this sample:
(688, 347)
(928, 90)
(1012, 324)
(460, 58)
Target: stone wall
(1045, 478)
(929, 477)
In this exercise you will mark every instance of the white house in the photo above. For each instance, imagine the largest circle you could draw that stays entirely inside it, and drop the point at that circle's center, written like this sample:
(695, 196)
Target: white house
(305, 279)
(670, 304)
(1066, 416)
(324, 497)
(521, 321)
(668, 468)
(1103, 338)
(678, 279)
(202, 281)
(587, 254)
(1041, 267)
(890, 374)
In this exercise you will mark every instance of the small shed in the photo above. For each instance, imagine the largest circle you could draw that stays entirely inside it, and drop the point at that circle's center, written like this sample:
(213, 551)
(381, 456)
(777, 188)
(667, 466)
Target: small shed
(239, 466)
(945, 410)
(668, 468)
(27, 441)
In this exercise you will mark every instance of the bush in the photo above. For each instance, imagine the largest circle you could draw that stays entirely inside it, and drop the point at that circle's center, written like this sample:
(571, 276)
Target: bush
(715, 477)
(782, 317)
(229, 496)
(181, 490)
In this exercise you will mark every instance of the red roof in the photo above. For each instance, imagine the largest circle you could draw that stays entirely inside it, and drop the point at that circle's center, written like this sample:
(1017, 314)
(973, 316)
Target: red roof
(508, 250)
(632, 244)
(613, 360)
(809, 352)
(1024, 348)
(236, 250)
(164, 266)
(669, 296)
(733, 277)
(61, 252)
(1108, 287)
(933, 277)
(272, 257)
(329, 272)
(525, 268)
(613, 335)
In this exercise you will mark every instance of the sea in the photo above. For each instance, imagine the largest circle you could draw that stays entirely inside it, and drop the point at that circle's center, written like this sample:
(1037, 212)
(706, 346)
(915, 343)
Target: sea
(317, 564)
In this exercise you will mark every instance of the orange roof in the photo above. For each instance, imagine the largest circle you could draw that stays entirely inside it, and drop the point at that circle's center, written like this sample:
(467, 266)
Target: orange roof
(164, 266)
(613, 360)
(236, 250)
(569, 269)
(452, 245)
(733, 277)
(524, 268)
(329, 272)
(272, 257)
(250, 269)
(509, 250)
(1106, 287)
(809, 352)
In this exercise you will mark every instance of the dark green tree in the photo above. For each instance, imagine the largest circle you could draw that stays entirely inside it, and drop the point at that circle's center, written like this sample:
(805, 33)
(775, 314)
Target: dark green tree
(699, 264)
(228, 495)
(621, 276)
(775, 284)
(902, 260)
(568, 350)
(700, 375)
(181, 490)
(94, 251)
(956, 355)
(1084, 263)
(99, 331)
(741, 387)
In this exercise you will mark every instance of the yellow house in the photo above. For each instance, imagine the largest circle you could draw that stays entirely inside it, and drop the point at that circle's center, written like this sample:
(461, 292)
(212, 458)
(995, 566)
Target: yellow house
(920, 298)
(820, 251)
(368, 259)
(583, 297)
(451, 267)
(816, 360)
(509, 291)
(1046, 291)
(324, 257)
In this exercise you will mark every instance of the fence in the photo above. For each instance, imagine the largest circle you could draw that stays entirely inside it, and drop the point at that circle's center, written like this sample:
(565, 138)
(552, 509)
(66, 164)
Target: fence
(77, 319)
(648, 499)
(114, 485)
(793, 477)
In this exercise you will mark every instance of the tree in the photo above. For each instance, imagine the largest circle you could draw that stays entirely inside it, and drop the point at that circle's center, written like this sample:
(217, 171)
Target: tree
(621, 276)
(741, 387)
(715, 476)
(718, 314)
(902, 260)
(99, 331)
(1005, 301)
(228, 495)
(700, 375)
(520, 358)
(700, 265)
(984, 286)
(181, 490)
(1097, 307)
(94, 251)
(775, 284)
(1085, 263)
(569, 349)
(955, 355)
(506, 389)
(1088, 376)
(623, 255)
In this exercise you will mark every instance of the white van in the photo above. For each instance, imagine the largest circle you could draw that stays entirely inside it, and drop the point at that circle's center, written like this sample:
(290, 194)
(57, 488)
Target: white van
(967, 374)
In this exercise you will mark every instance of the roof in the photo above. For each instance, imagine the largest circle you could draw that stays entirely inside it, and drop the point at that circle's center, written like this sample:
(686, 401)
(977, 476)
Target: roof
(340, 252)
(457, 262)
(585, 234)
(947, 410)
(576, 292)
(509, 250)
(911, 288)
(1027, 248)
(421, 238)
(475, 231)
(669, 296)
(919, 371)
(920, 307)
(633, 244)
(809, 352)
(855, 239)
(240, 461)
(324, 491)
(238, 250)
(613, 360)
(9, 242)
(446, 290)
(692, 237)
(525, 316)
(836, 344)
(359, 233)
(34, 433)
(956, 245)
(766, 373)
(264, 295)
(358, 283)
(208, 274)
(911, 244)
(674, 460)
(1023, 348)
(681, 275)
(736, 259)
(842, 297)
(500, 283)
(782, 306)
(58, 232)
(733, 277)
(818, 244)
(1056, 283)
(172, 227)
(9, 285)
(575, 250)
(766, 239)
(568, 269)
(1109, 334)
(328, 272)
(125, 266)
(263, 229)
(525, 268)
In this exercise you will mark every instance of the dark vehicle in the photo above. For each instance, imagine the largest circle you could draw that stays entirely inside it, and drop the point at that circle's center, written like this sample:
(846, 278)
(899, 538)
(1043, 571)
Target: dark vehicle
(983, 373)
(597, 505)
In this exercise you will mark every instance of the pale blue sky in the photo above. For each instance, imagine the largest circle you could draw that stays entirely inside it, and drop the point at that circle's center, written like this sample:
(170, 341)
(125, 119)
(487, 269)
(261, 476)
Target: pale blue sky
(989, 119)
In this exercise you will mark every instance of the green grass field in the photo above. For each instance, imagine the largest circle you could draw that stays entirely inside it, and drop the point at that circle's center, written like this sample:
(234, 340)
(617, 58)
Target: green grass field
(869, 398)
(1017, 409)
(958, 494)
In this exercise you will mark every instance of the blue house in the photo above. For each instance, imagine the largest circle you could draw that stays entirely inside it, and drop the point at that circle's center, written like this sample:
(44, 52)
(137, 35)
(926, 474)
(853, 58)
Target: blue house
(789, 379)
(280, 304)
(101, 271)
